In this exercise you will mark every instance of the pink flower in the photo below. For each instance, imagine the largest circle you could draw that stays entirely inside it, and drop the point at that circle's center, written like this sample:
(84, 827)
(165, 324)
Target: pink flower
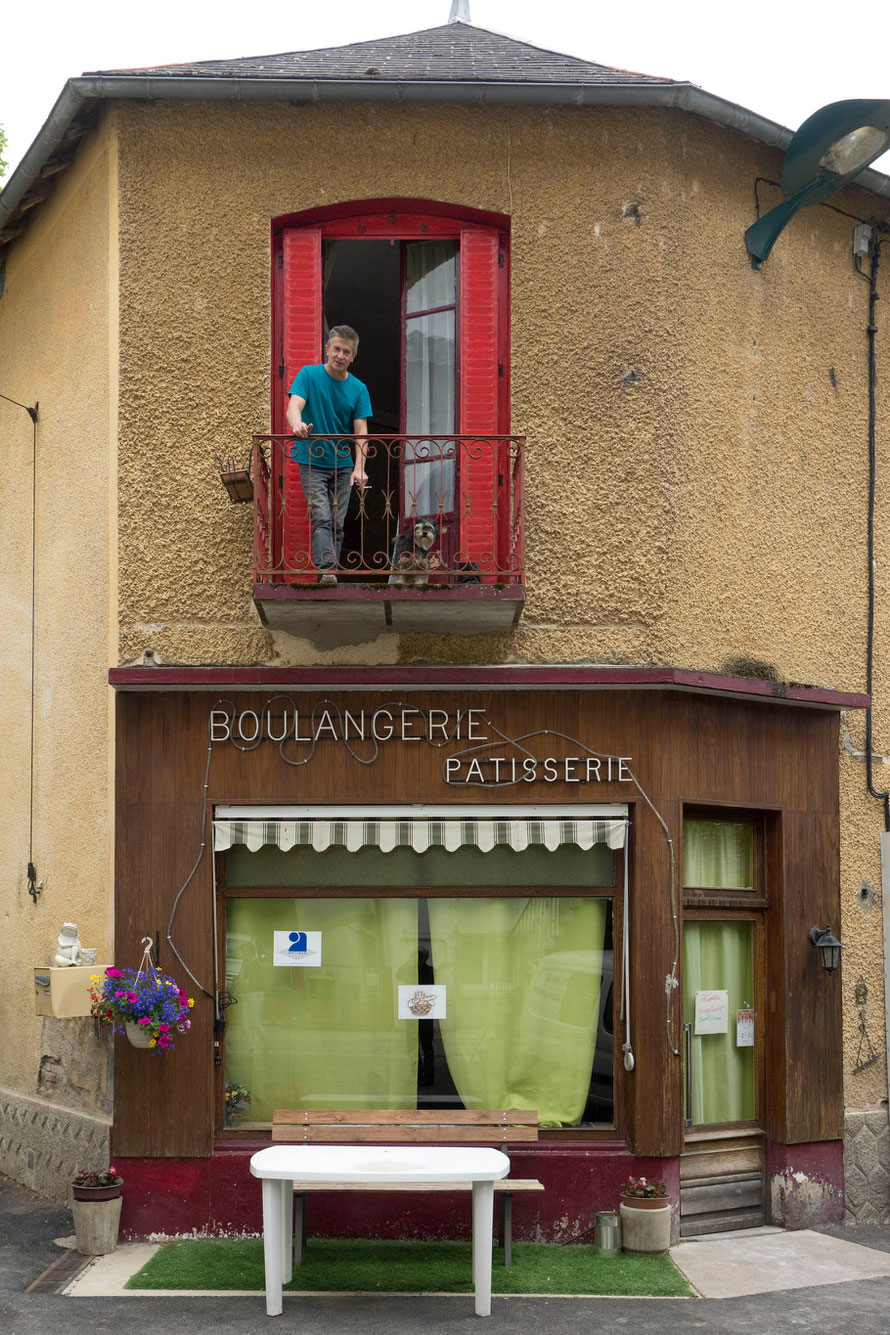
(114, 973)
(144, 1020)
(163, 1028)
(118, 994)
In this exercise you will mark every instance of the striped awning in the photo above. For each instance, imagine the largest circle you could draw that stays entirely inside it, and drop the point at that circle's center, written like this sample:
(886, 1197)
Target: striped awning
(321, 834)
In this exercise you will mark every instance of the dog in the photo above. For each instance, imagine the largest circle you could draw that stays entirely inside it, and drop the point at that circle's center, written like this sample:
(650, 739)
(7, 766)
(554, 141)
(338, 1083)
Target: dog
(411, 558)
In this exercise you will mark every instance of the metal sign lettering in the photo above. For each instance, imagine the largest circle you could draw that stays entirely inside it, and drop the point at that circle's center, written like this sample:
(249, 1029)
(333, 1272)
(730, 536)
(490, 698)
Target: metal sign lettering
(485, 756)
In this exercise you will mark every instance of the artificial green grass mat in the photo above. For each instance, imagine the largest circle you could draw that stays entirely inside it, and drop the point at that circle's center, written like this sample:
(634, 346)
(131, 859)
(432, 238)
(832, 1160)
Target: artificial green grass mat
(369, 1266)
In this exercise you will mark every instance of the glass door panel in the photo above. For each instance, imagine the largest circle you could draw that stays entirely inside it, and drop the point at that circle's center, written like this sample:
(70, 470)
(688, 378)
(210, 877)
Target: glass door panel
(430, 384)
(718, 982)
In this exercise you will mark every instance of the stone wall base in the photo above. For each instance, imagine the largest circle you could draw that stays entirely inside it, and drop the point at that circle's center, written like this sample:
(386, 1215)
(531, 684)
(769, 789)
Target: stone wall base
(867, 1166)
(43, 1144)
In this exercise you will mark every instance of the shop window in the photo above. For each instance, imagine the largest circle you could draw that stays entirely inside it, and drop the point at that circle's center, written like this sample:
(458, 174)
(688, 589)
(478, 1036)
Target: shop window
(527, 982)
(723, 858)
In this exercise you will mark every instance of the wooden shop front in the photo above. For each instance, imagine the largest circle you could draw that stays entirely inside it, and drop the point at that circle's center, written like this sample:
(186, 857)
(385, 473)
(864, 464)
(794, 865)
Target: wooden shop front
(577, 896)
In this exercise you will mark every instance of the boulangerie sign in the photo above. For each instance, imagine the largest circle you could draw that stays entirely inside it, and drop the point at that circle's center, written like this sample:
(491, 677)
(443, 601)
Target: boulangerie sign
(711, 1012)
(483, 755)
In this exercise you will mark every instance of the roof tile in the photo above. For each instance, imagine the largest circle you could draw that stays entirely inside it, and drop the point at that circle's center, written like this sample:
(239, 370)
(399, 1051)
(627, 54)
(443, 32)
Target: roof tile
(456, 52)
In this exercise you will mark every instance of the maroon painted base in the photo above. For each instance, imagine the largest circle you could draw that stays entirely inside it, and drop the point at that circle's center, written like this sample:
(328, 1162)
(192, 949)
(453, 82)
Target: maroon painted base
(219, 1196)
(805, 1184)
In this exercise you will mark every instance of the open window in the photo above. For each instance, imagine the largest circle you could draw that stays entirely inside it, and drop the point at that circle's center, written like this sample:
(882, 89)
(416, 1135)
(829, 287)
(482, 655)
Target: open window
(426, 287)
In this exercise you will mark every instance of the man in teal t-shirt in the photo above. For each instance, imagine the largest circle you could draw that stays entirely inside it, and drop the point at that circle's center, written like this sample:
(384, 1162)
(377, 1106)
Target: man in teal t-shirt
(335, 404)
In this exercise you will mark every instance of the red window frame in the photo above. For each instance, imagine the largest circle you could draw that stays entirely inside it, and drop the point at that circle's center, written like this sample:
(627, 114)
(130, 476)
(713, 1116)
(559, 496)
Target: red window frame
(483, 344)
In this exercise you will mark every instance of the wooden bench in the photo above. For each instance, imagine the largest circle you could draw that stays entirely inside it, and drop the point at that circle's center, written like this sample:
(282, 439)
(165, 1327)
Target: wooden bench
(425, 1127)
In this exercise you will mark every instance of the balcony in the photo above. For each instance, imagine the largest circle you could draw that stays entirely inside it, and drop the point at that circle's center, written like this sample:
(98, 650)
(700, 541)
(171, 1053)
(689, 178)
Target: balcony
(469, 581)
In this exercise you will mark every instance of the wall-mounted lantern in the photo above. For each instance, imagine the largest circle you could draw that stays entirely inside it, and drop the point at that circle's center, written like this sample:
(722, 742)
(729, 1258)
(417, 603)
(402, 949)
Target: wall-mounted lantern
(832, 146)
(828, 946)
(237, 481)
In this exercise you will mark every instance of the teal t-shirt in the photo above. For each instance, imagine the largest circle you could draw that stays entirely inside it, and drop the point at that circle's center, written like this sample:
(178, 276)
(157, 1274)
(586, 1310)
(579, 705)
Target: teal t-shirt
(331, 406)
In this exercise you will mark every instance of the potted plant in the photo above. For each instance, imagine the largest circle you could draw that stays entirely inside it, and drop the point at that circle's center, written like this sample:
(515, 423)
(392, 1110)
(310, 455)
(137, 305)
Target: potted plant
(143, 1004)
(645, 1216)
(643, 1193)
(237, 1099)
(96, 1208)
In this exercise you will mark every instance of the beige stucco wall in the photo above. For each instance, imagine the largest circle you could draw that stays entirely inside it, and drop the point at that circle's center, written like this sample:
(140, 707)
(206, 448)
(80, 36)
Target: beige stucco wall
(708, 511)
(59, 299)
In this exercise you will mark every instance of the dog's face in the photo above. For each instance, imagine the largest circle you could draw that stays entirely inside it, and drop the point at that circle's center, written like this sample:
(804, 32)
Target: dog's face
(426, 531)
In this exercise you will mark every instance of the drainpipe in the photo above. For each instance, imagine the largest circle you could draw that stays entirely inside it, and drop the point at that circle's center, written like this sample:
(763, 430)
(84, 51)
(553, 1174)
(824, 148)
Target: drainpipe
(34, 886)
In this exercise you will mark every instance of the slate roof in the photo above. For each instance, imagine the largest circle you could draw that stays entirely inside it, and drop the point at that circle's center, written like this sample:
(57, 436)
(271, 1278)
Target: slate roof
(456, 52)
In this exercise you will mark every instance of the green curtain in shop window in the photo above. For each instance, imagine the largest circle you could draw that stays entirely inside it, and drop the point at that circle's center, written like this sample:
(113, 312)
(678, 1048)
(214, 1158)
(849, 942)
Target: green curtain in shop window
(718, 853)
(326, 1037)
(523, 981)
(718, 956)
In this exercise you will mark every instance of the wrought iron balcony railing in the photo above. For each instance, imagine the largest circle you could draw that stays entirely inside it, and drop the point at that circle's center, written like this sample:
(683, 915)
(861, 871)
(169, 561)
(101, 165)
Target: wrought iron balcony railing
(467, 488)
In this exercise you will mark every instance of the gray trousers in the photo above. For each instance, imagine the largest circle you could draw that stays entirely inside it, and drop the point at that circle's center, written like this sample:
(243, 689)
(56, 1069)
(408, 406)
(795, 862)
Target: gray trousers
(327, 494)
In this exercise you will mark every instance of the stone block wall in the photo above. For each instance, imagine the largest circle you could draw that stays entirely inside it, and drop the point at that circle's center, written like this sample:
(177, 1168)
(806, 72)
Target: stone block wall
(867, 1166)
(43, 1144)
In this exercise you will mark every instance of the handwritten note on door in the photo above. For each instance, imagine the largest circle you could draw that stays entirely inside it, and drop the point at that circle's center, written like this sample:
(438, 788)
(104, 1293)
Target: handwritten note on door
(711, 1012)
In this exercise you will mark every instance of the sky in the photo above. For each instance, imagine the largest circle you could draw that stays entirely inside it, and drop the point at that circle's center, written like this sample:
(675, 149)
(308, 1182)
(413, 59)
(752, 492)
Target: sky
(783, 60)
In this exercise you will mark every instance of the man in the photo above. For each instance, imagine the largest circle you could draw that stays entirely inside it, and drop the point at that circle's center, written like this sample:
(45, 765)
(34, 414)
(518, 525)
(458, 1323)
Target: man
(336, 404)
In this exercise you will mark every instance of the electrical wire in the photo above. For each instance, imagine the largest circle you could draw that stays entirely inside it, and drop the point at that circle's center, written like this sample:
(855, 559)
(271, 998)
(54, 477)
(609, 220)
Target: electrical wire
(872, 329)
(671, 980)
(214, 997)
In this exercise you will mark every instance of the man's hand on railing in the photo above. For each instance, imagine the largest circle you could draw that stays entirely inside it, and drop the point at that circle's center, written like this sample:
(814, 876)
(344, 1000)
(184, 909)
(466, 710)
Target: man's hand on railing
(359, 477)
(302, 429)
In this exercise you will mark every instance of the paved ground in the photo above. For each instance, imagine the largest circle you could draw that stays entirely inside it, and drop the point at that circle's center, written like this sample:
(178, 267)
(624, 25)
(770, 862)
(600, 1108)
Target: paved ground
(28, 1227)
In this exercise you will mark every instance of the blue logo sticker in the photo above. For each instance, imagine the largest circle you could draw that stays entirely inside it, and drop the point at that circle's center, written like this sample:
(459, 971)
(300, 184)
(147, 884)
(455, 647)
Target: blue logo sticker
(300, 943)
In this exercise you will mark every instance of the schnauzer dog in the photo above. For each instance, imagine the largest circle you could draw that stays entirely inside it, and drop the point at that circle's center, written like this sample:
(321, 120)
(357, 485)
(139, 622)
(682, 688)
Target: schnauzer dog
(411, 558)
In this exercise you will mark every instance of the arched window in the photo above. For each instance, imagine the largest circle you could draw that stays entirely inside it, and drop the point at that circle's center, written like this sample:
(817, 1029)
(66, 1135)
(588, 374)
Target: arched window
(426, 285)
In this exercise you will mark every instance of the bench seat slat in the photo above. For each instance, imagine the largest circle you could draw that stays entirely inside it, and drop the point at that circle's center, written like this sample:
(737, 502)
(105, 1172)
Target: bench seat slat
(403, 1116)
(354, 1135)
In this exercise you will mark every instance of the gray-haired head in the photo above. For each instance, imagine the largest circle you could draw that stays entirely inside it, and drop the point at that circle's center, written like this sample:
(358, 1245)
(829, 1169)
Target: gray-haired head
(345, 332)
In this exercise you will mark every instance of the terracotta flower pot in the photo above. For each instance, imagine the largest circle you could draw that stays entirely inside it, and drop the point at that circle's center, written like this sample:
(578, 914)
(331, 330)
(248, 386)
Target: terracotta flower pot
(645, 1202)
(139, 1035)
(109, 1193)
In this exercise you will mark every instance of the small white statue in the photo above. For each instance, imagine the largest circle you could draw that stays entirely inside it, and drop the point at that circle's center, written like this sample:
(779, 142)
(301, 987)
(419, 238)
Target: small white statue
(69, 946)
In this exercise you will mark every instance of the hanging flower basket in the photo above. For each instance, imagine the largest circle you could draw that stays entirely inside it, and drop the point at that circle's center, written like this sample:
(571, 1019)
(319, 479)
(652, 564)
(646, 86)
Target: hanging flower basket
(140, 1038)
(142, 1003)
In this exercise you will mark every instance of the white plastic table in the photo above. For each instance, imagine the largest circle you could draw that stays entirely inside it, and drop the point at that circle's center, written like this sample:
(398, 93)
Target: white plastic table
(280, 1166)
